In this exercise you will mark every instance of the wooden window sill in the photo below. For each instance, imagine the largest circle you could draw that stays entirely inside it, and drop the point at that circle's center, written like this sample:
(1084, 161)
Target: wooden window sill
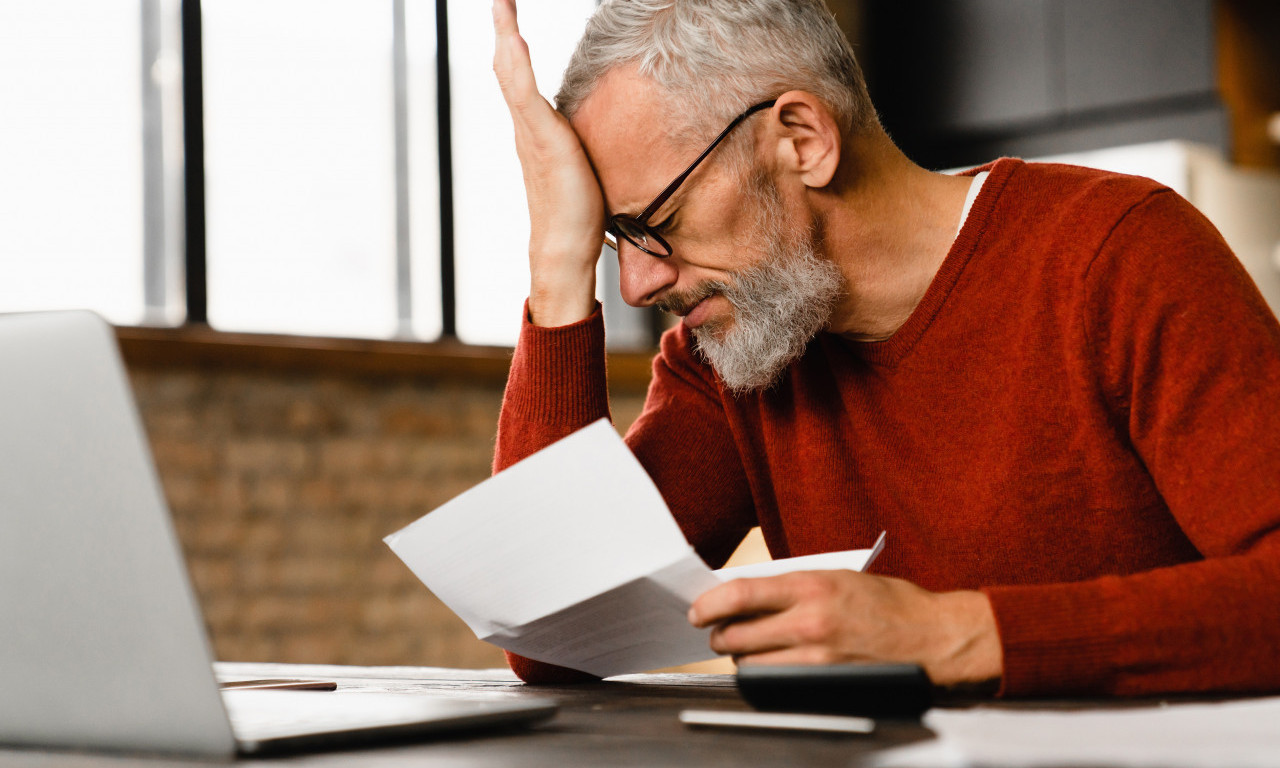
(198, 346)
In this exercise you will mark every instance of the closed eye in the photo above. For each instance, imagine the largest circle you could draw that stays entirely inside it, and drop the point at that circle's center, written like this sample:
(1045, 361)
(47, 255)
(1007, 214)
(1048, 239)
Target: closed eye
(664, 226)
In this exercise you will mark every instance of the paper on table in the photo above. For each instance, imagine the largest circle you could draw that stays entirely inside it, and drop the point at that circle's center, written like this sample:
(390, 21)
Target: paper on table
(570, 557)
(1234, 734)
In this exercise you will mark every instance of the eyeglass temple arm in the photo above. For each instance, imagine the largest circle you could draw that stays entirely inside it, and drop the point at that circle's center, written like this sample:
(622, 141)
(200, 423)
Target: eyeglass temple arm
(673, 186)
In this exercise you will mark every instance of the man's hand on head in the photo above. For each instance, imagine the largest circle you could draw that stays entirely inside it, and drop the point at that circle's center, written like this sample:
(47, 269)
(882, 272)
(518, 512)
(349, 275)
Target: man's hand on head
(566, 207)
(831, 617)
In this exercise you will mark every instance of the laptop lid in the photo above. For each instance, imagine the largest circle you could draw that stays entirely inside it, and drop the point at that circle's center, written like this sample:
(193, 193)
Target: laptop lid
(102, 645)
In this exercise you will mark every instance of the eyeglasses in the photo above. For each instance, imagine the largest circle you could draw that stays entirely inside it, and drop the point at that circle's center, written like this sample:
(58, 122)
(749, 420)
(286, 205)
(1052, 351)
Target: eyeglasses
(636, 229)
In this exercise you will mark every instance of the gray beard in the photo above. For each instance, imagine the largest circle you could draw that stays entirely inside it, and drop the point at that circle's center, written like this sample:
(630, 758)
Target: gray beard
(779, 305)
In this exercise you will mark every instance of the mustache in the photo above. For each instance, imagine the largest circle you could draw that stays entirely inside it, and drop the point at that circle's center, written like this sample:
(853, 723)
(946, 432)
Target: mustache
(683, 302)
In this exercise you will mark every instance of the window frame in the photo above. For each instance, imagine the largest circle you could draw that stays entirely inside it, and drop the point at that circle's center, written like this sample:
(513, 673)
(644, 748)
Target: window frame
(195, 262)
(637, 330)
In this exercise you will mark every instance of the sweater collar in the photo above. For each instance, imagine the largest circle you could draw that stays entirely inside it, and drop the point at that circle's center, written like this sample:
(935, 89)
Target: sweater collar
(891, 351)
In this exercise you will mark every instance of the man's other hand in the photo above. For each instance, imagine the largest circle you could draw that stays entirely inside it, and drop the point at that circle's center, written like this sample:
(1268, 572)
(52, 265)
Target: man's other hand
(832, 617)
(566, 208)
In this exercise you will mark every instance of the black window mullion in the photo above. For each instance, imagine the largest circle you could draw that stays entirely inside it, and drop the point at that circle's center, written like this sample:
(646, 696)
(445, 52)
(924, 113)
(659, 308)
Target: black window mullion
(193, 160)
(196, 263)
(448, 295)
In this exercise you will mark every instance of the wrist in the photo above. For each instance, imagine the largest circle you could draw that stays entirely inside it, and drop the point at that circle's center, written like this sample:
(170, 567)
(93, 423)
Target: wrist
(971, 652)
(556, 304)
(562, 287)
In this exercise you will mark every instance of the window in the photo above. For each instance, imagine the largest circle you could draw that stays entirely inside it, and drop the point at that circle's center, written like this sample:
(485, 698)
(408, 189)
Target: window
(492, 262)
(80, 86)
(300, 166)
(323, 210)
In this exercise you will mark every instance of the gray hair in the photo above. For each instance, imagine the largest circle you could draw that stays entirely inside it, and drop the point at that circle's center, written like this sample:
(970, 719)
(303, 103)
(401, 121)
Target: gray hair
(714, 58)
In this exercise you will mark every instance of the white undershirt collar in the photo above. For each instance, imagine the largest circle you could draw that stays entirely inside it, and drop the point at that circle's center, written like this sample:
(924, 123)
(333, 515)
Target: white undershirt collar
(974, 188)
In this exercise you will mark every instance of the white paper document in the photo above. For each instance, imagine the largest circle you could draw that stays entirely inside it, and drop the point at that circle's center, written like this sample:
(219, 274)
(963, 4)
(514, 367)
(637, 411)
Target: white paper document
(1232, 734)
(571, 557)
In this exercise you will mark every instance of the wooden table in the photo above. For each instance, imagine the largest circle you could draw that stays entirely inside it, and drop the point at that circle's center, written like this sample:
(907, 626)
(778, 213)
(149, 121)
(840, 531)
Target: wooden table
(624, 722)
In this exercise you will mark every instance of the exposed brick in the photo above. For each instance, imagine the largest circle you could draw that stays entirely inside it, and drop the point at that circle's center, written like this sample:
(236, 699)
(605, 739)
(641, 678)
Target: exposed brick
(211, 536)
(165, 421)
(411, 494)
(282, 488)
(387, 644)
(182, 490)
(263, 537)
(319, 492)
(308, 417)
(185, 456)
(271, 494)
(413, 419)
(248, 646)
(279, 612)
(223, 612)
(362, 493)
(323, 539)
(382, 613)
(316, 648)
(265, 456)
(214, 574)
(387, 571)
(361, 456)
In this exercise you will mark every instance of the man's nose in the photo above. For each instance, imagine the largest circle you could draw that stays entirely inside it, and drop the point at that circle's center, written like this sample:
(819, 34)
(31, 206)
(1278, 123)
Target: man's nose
(643, 277)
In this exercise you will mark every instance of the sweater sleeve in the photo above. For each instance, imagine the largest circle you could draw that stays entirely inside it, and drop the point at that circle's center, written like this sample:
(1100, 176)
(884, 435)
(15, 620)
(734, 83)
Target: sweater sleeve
(558, 384)
(1188, 357)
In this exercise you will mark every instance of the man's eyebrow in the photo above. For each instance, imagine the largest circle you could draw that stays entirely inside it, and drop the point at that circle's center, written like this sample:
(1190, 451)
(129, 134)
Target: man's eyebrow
(670, 205)
(632, 210)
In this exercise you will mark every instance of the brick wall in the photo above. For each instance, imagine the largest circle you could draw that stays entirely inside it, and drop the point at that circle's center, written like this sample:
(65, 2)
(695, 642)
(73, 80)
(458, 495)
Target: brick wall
(282, 487)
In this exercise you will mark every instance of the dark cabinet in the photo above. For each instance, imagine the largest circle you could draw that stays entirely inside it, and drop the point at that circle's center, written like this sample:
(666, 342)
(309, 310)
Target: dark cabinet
(1130, 52)
(960, 81)
(992, 65)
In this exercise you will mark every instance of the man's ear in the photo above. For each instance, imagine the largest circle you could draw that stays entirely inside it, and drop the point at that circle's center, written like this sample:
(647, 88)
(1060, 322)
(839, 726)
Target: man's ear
(808, 139)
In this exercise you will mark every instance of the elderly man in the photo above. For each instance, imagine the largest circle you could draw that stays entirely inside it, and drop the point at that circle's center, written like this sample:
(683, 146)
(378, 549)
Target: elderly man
(1055, 388)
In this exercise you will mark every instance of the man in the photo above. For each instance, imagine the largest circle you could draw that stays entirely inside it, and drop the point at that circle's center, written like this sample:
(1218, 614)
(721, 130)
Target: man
(1055, 388)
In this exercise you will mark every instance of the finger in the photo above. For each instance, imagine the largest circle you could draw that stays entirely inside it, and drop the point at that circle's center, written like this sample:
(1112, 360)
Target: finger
(759, 634)
(511, 62)
(513, 67)
(504, 16)
(800, 655)
(741, 598)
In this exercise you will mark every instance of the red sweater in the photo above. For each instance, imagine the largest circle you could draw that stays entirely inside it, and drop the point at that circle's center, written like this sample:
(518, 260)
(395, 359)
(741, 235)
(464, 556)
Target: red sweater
(1081, 419)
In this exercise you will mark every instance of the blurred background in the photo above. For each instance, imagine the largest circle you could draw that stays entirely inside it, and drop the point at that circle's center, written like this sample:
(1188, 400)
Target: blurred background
(306, 220)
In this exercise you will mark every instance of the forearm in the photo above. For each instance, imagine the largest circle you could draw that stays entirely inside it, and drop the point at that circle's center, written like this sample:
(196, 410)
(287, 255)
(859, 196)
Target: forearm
(968, 651)
(1206, 626)
(1187, 355)
(557, 385)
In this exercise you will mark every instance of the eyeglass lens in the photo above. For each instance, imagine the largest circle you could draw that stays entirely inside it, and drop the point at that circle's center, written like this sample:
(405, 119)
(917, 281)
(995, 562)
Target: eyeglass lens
(640, 236)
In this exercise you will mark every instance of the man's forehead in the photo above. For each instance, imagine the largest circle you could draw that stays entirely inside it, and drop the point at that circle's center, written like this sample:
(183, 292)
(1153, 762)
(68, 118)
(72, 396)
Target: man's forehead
(624, 127)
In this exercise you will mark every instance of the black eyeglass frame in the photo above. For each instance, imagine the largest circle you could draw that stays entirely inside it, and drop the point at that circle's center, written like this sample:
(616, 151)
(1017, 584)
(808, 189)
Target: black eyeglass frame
(640, 222)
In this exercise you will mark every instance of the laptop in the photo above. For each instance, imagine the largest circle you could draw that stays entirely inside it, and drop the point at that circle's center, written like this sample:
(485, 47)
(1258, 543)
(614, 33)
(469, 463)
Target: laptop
(102, 644)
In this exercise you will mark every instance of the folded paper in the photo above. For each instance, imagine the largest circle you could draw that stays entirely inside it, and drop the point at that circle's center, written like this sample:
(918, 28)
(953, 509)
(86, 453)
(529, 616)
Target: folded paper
(571, 557)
